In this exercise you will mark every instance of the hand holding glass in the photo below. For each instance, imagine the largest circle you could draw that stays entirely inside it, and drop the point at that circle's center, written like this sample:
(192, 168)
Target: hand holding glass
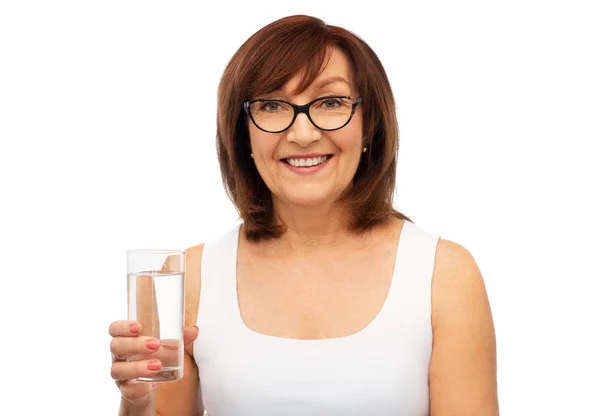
(155, 288)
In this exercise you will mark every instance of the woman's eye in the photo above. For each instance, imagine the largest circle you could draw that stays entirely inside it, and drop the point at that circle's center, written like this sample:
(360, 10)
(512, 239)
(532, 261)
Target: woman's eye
(330, 103)
(270, 106)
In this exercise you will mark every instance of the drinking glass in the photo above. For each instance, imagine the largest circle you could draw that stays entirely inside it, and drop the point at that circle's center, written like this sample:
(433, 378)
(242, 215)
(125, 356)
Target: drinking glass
(155, 291)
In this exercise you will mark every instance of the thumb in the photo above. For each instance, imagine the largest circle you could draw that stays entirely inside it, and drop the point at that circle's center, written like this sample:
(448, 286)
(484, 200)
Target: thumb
(190, 333)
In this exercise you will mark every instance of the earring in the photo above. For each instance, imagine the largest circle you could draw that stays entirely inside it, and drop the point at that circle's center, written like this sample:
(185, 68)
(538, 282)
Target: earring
(364, 149)
(252, 155)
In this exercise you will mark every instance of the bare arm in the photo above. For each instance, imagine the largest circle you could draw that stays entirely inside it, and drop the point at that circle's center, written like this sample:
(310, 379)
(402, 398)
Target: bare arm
(462, 373)
(183, 398)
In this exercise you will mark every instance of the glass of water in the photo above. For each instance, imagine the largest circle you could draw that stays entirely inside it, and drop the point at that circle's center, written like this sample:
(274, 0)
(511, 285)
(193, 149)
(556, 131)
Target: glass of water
(155, 294)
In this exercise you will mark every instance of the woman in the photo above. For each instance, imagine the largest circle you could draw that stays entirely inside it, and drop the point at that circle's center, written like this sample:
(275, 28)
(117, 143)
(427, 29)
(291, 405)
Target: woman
(326, 300)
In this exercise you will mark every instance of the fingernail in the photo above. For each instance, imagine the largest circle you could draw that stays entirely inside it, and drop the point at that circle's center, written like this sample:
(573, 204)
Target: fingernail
(154, 365)
(152, 344)
(134, 328)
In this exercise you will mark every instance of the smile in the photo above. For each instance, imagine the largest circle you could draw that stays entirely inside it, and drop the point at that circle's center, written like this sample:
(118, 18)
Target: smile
(304, 166)
(307, 162)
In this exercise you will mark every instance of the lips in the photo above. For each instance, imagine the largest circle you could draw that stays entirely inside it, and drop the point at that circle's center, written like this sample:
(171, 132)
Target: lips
(306, 161)
(307, 165)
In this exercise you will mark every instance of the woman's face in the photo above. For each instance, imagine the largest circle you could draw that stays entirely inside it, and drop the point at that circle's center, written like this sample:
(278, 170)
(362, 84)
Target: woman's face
(277, 154)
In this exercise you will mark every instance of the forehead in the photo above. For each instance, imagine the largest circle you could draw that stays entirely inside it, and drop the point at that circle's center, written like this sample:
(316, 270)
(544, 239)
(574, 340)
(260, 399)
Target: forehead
(337, 73)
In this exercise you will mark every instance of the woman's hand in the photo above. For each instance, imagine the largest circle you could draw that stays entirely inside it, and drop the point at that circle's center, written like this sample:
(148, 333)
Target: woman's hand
(149, 355)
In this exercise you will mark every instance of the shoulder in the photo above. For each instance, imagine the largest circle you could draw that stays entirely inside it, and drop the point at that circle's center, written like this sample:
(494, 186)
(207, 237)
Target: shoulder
(193, 267)
(193, 255)
(456, 279)
(454, 262)
(462, 371)
(193, 263)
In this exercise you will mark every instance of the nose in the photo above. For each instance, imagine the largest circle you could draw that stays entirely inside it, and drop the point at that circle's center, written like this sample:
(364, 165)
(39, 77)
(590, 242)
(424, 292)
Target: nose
(303, 132)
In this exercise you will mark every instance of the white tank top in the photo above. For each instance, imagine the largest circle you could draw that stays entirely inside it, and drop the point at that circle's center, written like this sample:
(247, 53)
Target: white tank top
(381, 370)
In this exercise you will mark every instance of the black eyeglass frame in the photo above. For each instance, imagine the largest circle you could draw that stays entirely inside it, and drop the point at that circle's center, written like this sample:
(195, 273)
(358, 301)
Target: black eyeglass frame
(299, 109)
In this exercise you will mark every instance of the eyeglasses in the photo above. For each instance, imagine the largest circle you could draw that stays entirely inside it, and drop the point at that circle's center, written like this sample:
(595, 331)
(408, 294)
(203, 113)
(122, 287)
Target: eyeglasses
(325, 113)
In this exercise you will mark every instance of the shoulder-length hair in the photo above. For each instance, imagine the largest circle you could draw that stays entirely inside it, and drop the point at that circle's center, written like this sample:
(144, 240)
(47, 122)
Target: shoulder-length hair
(267, 61)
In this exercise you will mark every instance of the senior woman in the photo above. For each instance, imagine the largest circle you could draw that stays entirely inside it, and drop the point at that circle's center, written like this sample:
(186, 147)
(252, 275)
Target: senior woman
(325, 300)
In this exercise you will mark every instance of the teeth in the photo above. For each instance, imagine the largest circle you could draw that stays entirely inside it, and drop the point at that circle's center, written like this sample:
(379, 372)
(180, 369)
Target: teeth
(307, 162)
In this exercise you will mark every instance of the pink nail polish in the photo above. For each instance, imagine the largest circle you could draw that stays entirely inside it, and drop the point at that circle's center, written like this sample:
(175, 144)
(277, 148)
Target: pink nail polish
(134, 328)
(154, 365)
(152, 345)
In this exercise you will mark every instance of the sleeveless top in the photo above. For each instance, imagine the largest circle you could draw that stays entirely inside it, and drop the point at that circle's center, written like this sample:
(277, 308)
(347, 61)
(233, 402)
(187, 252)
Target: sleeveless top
(381, 370)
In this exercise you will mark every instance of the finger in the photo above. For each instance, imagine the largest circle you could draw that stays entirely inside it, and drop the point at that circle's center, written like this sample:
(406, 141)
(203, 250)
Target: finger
(125, 329)
(122, 370)
(128, 346)
(167, 353)
(190, 333)
(135, 392)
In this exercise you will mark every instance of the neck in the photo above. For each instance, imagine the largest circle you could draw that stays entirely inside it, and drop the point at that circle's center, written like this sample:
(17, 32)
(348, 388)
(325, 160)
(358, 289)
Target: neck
(311, 227)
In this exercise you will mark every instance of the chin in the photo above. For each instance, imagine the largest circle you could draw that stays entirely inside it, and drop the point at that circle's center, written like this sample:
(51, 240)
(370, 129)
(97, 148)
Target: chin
(313, 199)
(305, 202)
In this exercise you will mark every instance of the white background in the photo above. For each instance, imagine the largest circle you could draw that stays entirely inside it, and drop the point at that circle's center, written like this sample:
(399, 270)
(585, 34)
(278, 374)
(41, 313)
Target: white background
(107, 129)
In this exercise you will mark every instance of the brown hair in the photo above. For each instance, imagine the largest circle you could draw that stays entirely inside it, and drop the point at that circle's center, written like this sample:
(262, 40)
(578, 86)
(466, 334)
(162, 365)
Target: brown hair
(267, 61)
